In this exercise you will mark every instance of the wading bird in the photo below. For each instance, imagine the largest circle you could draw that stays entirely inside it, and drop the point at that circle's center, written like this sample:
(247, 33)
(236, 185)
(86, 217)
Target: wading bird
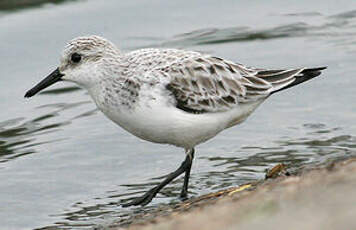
(169, 96)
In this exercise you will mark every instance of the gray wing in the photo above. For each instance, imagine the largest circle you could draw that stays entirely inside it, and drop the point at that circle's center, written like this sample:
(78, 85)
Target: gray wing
(210, 84)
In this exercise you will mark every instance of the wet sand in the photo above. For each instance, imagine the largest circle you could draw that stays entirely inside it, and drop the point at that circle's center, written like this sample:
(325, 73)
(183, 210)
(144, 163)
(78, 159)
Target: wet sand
(321, 197)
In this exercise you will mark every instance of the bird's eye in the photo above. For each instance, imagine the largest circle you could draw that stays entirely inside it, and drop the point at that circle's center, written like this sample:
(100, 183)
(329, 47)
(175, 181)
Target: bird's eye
(76, 57)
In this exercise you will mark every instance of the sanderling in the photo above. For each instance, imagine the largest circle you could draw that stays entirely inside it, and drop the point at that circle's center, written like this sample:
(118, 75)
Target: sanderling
(169, 96)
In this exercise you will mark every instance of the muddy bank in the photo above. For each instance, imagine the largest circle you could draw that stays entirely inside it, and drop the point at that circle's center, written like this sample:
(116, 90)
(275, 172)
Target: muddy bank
(318, 198)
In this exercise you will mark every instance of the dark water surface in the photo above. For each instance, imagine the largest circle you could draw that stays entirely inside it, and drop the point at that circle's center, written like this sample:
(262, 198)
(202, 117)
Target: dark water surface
(64, 165)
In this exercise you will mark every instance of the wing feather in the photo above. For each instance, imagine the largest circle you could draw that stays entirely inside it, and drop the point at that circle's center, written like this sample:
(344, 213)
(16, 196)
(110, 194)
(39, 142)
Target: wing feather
(210, 84)
(202, 83)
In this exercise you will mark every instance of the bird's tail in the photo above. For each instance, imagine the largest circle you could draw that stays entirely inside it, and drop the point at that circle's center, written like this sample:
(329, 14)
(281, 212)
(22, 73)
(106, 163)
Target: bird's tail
(300, 76)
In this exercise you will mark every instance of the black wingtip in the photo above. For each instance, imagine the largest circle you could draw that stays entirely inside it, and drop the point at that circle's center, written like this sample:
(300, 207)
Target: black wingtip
(316, 69)
(309, 74)
(305, 75)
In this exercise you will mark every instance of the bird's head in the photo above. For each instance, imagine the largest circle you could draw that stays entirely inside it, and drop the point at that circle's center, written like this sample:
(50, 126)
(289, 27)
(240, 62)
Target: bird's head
(79, 63)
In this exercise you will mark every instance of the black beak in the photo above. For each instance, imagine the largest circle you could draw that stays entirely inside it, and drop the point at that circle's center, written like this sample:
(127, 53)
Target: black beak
(49, 80)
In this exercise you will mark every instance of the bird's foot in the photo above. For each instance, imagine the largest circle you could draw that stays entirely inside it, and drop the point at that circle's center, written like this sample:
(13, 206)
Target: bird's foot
(142, 200)
(183, 195)
(183, 198)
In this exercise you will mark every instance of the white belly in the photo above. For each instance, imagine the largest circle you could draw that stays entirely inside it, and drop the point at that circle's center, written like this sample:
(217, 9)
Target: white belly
(167, 125)
(154, 118)
(161, 122)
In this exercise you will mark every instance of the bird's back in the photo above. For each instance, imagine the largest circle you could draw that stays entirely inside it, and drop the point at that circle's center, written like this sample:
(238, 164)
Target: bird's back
(203, 83)
(198, 95)
(144, 60)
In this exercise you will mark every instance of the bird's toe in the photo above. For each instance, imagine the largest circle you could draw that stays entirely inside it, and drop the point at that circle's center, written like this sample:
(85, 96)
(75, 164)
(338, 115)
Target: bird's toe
(142, 200)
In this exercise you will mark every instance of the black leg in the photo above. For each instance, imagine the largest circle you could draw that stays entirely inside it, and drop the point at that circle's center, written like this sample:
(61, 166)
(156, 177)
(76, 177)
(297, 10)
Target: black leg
(184, 191)
(149, 195)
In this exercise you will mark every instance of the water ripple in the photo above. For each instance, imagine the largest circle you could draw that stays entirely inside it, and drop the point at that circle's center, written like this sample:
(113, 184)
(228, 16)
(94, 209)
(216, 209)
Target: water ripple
(19, 137)
(319, 144)
(334, 26)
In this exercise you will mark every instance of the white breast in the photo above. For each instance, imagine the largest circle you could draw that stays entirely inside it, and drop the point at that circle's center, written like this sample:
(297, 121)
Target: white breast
(155, 118)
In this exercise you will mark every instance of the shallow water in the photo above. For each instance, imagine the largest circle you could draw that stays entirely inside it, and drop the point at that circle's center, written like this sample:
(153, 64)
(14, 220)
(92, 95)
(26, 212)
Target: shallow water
(64, 165)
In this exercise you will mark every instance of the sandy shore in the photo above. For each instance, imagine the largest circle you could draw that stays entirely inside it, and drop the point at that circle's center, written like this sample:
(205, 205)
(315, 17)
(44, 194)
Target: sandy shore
(319, 198)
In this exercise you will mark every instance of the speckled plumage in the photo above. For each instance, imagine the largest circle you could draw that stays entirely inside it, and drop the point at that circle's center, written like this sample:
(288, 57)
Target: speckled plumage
(169, 96)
